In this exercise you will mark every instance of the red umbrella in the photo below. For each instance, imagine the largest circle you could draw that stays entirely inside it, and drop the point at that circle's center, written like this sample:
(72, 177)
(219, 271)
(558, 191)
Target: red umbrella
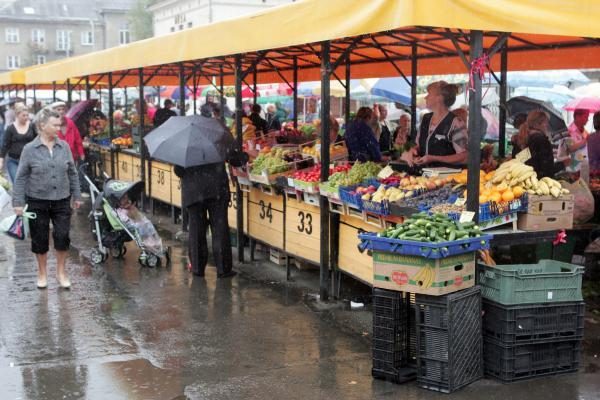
(591, 104)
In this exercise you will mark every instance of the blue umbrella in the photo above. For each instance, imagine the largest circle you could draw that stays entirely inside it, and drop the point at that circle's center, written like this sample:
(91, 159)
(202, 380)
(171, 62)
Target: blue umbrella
(395, 89)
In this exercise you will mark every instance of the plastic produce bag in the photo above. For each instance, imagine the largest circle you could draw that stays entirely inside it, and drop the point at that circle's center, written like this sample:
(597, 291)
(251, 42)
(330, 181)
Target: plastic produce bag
(583, 209)
(17, 226)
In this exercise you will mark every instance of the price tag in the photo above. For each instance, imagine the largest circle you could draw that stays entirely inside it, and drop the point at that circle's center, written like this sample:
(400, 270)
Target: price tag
(385, 173)
(257, 146)
(524, 155)
(318, 148)
(461, 201)
(290, 182)
(466, 216)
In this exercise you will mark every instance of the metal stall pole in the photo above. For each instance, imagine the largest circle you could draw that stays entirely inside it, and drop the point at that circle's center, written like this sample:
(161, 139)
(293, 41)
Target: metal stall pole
(347, 99)
(88, 90)
(413, 94)
(125, 99)
(323, 203)
(25, 93)
(53, 91)
(195, 91)
(503, 95)
(221, 79)
(239, 142)
(111, 123)
(295, 93)
(254, 84)
(69, 93)
(474, 157)
(184, 214)
(142, 115)
(35, 107)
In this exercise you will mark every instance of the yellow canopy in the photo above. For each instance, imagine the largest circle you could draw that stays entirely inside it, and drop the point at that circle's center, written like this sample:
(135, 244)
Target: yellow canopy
(542, 27)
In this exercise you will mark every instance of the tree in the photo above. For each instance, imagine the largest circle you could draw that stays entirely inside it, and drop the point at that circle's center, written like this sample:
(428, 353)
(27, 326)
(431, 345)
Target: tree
(140, 20)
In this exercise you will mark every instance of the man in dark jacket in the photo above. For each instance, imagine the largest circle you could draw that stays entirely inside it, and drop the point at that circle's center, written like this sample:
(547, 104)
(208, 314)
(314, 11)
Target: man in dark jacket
(205, 194)
(163, 114)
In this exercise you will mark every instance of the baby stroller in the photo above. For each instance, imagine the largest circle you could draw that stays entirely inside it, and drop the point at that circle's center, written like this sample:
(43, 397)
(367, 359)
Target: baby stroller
(112, 229)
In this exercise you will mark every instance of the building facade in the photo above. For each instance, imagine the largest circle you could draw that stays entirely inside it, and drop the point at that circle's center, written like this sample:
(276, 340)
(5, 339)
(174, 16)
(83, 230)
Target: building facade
(176, 15)
(38, 31)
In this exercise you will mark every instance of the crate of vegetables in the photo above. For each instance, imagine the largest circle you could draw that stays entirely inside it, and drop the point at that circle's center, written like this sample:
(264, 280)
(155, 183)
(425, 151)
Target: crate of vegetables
(430, 236)
(307, 180)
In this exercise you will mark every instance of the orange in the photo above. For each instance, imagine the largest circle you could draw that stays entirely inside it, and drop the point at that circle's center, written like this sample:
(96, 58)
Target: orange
(495, 197)
(518, 191)
(486, 192)
(508, 195)
(483, 199)
(489, 176)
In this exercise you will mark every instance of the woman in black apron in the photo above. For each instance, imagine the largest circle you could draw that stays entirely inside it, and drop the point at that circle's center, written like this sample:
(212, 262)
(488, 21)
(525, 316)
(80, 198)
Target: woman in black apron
(442, 138)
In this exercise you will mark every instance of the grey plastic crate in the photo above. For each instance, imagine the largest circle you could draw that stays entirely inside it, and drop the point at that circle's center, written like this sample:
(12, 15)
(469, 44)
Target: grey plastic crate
(449, 340)
(531, 323)
(511, 363)
(391, 348)
(548, 281)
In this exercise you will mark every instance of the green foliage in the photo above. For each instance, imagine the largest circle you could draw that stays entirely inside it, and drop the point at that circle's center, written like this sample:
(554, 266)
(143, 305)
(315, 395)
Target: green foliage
(140, 20)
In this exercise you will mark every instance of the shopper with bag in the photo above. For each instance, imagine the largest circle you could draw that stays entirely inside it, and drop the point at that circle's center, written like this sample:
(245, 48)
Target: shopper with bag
(16, 136)
(48, 184)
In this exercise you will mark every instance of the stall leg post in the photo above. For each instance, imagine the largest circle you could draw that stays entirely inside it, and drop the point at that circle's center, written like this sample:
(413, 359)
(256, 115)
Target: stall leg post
(288, 268)
(239, 143)
(474, 129)
(323, 202)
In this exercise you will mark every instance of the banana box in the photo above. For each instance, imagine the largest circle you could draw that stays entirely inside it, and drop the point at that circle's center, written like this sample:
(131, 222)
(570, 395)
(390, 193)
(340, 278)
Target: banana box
(422, 275)
(550, 206)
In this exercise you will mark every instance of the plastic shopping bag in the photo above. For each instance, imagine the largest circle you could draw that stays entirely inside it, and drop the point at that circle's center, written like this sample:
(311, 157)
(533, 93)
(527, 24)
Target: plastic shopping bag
(5, 198)
(17, 226)
(583, 199)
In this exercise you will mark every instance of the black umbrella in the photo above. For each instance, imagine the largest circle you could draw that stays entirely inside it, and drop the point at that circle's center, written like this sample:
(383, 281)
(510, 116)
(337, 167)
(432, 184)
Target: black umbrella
(190, 141)
(523, 105)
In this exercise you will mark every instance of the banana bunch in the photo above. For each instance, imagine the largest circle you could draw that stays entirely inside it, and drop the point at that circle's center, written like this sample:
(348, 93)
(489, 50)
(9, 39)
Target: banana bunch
(515, 173)
(424, 277)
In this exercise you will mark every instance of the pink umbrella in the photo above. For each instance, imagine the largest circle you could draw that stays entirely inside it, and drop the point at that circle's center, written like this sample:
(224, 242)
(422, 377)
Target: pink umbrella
(583, 103)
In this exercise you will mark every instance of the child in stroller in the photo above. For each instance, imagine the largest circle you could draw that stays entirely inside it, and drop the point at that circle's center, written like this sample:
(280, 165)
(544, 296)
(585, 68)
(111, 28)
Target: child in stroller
(117, 220)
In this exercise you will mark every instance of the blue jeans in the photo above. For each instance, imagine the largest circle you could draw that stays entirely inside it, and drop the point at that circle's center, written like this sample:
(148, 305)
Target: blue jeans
(11, 167)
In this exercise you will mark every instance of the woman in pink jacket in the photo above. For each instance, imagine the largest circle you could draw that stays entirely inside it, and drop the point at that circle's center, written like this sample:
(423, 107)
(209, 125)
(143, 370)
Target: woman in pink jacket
(69, 132)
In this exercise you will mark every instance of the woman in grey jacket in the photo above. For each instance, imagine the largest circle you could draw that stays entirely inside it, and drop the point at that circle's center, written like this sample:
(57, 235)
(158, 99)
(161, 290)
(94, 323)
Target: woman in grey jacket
(47, 182)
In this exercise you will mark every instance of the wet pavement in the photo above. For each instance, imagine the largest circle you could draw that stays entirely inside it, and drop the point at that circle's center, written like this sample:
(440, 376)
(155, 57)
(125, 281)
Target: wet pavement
(125, 332)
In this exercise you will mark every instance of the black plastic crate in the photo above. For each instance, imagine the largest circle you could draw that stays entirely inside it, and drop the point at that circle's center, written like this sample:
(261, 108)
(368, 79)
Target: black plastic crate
(391, 336)
(449, 340)
(529, 323)
(524, 361)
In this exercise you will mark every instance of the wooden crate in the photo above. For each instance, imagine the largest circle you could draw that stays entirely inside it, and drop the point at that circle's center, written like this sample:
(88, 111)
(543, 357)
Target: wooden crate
(232, 208)
(528, 222)
(303, 231)
(266, 218)
(550, 206)
(350, 260)
(161, 181)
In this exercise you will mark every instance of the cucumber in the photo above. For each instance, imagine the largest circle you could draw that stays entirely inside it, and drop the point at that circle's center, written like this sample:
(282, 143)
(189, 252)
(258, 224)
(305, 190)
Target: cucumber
(452, 236)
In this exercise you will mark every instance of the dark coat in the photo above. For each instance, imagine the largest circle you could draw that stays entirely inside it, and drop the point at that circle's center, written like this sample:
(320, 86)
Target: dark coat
(208, 181)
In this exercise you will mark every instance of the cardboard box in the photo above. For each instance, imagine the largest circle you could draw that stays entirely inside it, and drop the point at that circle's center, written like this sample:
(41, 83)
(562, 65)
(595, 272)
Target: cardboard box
(529, 222)
(549, 205)
(422, 275)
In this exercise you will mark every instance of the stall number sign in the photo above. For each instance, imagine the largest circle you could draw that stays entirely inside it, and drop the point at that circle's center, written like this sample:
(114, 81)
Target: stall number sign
(233, 200)
(266, 211)
(305, 220)
(160, 177)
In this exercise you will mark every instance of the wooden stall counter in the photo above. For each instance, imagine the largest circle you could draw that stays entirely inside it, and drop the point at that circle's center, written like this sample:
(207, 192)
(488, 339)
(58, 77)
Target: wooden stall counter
(266, 218)
(350, 260)
(303, 230)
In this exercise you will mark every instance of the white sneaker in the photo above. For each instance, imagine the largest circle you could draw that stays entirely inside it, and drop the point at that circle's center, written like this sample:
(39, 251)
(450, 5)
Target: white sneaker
(85, 195)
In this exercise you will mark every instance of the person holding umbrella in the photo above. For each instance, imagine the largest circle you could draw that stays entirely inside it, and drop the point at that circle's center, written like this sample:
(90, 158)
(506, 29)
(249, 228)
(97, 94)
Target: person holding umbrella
(199, 147)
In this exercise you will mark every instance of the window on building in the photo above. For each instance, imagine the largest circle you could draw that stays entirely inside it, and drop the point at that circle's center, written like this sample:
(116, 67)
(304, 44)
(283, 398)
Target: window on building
(12, 35)
(13, 62)
(172, 29)
(38, 36)
(63, 40)
(40, 59)
(87, 38)
(181, 27)
(124, 36)
(189, 24)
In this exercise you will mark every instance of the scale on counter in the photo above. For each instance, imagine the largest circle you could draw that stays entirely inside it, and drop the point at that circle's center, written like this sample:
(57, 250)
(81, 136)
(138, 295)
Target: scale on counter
(440, 171)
